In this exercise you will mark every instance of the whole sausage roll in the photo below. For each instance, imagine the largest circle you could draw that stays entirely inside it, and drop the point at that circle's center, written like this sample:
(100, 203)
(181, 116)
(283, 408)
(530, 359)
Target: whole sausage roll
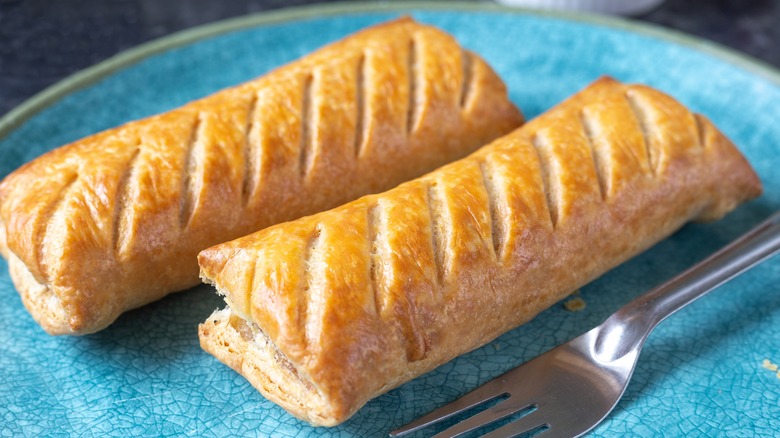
(116, 220)
(329, 311)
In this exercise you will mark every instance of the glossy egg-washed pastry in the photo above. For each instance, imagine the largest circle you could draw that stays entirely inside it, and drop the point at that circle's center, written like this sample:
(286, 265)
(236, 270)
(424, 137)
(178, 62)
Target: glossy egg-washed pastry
(329, 311)
(116, 220)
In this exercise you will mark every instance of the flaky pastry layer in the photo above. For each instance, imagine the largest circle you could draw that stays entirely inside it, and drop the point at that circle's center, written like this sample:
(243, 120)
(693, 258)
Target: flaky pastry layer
(364, 297)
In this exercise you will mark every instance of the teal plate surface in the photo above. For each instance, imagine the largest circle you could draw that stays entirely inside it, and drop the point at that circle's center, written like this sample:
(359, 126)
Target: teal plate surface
(702, 372)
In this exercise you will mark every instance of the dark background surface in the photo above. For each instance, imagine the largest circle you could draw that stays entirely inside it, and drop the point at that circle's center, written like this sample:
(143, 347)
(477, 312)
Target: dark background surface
(43, 41)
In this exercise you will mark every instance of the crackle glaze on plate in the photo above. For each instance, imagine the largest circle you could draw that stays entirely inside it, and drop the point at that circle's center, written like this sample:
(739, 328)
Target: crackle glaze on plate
(702, 371)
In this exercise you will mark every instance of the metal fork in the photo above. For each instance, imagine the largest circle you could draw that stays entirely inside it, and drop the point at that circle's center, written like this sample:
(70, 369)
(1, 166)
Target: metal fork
(573, 387)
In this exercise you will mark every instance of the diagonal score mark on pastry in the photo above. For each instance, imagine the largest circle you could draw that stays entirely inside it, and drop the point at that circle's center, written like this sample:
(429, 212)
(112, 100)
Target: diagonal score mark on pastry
(412, 71)
(251, 164)
(548, 180)
(595, 149)
(308, 141)
(431, 313)
(360, 110)
(465, 90)
(638, 112)
(122, 194)
(375, 248)
(437, 229)
(146, 197)
(189, 172)
(496, 225)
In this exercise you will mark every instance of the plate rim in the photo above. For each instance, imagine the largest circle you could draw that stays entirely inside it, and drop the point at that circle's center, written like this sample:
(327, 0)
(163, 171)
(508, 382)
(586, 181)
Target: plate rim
(88, 76)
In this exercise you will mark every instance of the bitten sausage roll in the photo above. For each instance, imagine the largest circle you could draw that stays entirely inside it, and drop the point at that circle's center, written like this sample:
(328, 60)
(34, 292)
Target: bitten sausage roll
(116, 220)
(331, 310)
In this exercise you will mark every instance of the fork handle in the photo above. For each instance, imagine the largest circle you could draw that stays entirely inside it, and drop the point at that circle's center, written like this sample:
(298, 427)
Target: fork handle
(640, 316)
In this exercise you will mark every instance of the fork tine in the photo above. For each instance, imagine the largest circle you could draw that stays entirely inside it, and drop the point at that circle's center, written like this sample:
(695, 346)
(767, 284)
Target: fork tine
(485, 393)
(525, 424)
(495, 413)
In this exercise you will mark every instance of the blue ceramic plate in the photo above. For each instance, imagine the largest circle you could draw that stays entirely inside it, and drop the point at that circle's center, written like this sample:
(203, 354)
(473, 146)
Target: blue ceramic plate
(701, 373)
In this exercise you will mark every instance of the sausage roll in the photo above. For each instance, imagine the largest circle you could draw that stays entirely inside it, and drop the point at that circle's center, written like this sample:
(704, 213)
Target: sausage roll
(329, 311)
(116, 220)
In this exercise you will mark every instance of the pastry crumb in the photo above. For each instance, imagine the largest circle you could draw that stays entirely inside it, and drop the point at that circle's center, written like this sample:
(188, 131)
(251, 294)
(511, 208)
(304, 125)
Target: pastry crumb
(574, 304)
(768, 364)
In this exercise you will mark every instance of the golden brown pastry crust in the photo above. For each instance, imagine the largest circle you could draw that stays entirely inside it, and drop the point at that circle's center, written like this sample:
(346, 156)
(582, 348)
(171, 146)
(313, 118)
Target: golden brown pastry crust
(116, 220)
(331, 310)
